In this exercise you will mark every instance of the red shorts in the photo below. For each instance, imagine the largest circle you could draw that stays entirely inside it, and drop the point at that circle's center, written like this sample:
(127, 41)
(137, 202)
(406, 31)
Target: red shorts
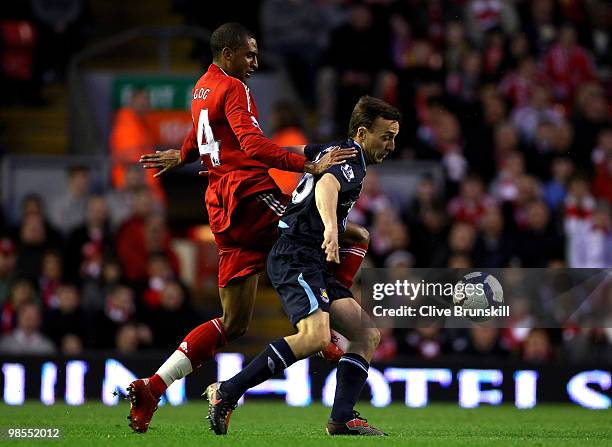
(253, 230)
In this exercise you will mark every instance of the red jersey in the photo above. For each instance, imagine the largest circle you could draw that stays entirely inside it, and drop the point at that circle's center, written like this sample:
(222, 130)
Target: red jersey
(226, 134)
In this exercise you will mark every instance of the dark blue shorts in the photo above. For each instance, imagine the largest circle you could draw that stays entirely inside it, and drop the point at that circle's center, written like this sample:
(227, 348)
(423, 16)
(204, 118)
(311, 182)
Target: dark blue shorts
(300, 277)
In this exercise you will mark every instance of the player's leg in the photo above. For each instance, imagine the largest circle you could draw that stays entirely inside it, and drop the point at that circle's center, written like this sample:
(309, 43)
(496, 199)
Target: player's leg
(353, 248)
(349, 319)
(238, 302)
(312, 336)
(199, 346)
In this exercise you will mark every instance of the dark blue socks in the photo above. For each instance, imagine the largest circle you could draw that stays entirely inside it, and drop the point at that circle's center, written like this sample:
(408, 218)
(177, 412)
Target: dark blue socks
(274, 359)
(351, 375)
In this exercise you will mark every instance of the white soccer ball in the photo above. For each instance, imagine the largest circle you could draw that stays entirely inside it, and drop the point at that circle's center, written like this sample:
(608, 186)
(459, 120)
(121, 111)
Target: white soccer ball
(478, 290)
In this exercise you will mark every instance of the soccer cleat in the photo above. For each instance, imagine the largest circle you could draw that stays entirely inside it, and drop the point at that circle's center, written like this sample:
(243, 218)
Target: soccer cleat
(142, 405)
(220, 408)
(357, 426)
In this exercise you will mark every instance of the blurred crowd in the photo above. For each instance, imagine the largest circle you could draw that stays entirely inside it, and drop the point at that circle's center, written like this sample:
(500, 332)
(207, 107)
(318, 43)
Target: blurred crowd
(89, 270)
(513, 99)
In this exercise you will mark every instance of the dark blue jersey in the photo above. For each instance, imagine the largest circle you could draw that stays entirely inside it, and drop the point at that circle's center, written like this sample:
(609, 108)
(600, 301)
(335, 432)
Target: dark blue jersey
(302, 220)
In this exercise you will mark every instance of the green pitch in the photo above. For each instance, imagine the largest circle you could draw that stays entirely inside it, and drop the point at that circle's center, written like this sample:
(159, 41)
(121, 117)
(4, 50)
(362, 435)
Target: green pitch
(275, 425)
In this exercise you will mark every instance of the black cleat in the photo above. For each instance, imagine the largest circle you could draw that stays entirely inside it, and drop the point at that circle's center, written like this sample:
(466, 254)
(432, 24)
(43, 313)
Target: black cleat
(357, 426)
(220, 408)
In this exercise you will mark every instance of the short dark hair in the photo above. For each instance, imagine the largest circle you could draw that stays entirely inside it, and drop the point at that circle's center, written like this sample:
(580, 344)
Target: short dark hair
(367, 110)
(229, 35)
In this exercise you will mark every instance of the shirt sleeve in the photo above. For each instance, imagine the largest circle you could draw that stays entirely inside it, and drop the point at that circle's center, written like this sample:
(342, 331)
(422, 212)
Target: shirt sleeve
(349, 175)
(189, 149)
(249, 134)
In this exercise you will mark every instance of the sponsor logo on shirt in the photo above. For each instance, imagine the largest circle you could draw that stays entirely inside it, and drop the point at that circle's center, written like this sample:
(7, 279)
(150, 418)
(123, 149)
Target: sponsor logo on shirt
(347, 171)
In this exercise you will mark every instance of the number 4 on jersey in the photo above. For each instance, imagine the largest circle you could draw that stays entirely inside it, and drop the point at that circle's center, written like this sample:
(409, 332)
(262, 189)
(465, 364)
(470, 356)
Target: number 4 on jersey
(207, 144)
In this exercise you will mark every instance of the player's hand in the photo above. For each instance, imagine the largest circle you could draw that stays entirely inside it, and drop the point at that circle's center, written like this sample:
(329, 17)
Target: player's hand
(163, 160)
(331, 158)
(330, 245)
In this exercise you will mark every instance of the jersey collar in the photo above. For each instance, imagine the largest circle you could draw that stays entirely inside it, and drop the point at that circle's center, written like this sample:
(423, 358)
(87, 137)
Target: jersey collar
(215, 67)
(354, 143)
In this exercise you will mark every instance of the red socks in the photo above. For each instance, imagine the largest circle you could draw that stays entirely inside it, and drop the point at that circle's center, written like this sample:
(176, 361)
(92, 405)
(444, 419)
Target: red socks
(198, 347)
(350, 261)
(158, 386)
(201, 343)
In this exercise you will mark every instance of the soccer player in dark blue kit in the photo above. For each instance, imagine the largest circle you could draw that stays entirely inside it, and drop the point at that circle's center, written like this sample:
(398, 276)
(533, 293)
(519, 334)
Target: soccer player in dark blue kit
(311, 296)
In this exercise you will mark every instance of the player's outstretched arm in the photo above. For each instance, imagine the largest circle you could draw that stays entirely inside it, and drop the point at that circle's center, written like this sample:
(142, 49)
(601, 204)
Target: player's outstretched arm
(326, 197)
(296, 149)
(162, 160)
(331, 158)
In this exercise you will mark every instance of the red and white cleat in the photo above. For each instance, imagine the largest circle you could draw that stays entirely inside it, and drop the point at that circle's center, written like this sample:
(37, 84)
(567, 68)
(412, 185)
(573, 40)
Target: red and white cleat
(142, 405)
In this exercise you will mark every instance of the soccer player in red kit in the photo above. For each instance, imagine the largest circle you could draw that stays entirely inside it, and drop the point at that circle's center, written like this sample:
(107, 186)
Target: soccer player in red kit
(243, 202)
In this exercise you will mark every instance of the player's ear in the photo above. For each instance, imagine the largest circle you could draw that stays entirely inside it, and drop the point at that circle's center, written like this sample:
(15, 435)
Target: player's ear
(361, 132)
(227, 53)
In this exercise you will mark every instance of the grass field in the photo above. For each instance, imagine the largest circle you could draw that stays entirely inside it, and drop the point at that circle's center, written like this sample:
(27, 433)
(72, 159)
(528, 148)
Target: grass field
(274, 424)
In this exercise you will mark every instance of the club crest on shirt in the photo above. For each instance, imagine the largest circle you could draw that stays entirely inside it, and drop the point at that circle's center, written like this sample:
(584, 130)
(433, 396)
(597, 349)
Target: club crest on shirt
(255, 122)
(347, 171)
(324, 296)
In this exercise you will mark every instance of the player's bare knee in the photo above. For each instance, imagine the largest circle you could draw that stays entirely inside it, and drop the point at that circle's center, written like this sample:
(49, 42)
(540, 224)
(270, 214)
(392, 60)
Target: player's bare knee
(234, 327)
(314, 339)
(362, 235)
(319, 341)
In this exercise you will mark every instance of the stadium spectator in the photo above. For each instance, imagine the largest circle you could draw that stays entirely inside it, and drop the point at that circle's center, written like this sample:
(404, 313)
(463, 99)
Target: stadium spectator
(346, 74)
(567, 65)
(430, 234)
(504, 187)
(539, 243)
(130, 139)
(121, 200)
(168, 320)
(591, 116)
(485, 340)
(493, 247)
(423, 342)
(555, 189)
(461, 239)
(295, 32)
(537, 347)
(127, 340)
(539, 110)
(7, 268)
(33, 243)
(68, 211)
(456, 46)
(27, 338)
(471, 203)
(160, 273)
(51, 278)
(119, 308)
(144, 233)
(21, 292)
(89, 243)
(66, 321)
(427, 197)
(388, 234)
(96, 289)
(482, 16)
